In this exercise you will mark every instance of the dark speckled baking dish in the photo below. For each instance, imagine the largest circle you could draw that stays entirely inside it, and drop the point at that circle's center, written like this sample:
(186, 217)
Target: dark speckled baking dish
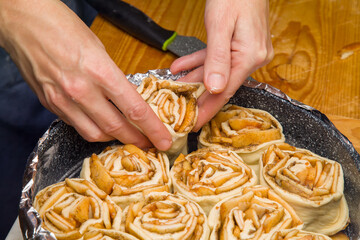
(60, 152)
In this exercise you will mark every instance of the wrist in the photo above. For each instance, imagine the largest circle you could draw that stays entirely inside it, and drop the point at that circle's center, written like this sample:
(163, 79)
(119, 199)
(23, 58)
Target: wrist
(2, 24)
(13, 14)
(6, 14)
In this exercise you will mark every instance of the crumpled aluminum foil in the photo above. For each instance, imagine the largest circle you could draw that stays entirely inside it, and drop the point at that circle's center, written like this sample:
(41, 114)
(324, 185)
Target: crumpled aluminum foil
(60, 152)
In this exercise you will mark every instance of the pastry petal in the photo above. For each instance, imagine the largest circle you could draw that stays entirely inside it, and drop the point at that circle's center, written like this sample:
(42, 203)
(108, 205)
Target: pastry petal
(175, 103)
(101, 234)
(165, 216)
(71, 208)
(126, 172)
(313, 185)
(255, 214)
(296, 234)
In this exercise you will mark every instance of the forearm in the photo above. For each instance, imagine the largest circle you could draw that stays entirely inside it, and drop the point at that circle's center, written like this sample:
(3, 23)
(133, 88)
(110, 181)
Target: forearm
(4, 12)
(14, 15)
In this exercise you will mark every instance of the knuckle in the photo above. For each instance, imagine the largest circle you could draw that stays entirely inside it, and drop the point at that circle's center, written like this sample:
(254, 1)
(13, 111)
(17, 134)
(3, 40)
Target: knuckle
(90, 138)
(142, 143)
(55, 99)
(113, 128)
(103, 74)
(96, 72)
(137, 112)
(76, 89)
(57, 75)
(227, 96)
(260, 57)
(95, 136)
(270, 55)
(220, 55)
(43, 101)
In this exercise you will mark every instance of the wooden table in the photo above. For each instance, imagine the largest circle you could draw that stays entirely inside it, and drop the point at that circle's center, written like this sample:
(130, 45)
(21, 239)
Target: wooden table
(316, 44)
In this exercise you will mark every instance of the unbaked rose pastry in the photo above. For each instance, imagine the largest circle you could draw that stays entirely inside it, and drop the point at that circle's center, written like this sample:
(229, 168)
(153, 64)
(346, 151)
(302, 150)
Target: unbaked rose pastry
(165, 216)
(246, 131)
(296, 234)
(100, 234)
(313, 185)
(71, 208)
(125, 171)
(175, 103)
(255, 214)
(208, 176)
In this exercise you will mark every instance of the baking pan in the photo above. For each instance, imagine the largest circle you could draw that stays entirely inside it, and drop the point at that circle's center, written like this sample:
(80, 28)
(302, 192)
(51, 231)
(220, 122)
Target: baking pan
(60, 152)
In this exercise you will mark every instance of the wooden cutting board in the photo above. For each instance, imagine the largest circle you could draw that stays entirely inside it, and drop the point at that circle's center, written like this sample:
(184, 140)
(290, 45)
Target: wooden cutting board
(316, 44)
(350, 127)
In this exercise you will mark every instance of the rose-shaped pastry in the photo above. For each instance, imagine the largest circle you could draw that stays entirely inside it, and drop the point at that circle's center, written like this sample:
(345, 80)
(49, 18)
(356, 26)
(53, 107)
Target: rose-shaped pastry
(246, 131)
(70, 209)
(313, 185)
(208, 176)
(165, 216)
(175, 103)
(255, 214)
(296, 234)
(125, 172)
(100, 234)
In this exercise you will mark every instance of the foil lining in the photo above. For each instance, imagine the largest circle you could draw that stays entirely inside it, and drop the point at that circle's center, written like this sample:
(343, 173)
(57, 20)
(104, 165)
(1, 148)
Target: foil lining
(60, 152)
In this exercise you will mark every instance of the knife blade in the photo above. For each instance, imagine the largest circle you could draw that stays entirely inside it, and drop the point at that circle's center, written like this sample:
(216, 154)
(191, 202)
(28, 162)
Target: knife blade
(138, 24)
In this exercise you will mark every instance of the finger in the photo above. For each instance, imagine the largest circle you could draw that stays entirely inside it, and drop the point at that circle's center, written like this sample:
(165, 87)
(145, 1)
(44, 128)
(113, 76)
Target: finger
(188, 62)
(136, 110)
(196, 75)
(251, 43)
(210, 104)
(219, 27)
(246, 57)
(73, 115)
(109, 119)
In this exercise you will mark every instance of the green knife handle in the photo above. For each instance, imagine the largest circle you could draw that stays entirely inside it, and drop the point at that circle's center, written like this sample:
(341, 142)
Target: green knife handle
(134, 22)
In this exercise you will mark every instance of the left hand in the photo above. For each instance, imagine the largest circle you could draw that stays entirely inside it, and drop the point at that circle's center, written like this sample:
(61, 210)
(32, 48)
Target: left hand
(68, 68)
(238, 42)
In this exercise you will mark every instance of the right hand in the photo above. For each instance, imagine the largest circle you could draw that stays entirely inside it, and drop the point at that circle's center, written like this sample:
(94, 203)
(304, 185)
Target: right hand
(238, 43)
(68, 68)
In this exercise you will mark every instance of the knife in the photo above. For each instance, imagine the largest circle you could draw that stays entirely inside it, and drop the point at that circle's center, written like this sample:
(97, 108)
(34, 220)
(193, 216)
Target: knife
(136, 23)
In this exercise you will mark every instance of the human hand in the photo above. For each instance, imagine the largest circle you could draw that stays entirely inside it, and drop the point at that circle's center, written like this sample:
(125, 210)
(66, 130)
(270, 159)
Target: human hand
(68, 68)
(238, 42)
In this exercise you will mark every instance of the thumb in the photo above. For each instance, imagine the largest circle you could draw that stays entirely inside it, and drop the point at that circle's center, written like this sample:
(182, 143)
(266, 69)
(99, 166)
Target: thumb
(219, 30)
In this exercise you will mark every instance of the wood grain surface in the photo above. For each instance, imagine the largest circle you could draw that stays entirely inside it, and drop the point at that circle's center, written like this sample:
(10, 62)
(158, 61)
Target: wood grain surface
(316, 44)
(316, 61)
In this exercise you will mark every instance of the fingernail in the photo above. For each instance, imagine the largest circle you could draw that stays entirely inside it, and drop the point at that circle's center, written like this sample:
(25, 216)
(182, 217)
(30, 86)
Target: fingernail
(164, 144)
(215, 83)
